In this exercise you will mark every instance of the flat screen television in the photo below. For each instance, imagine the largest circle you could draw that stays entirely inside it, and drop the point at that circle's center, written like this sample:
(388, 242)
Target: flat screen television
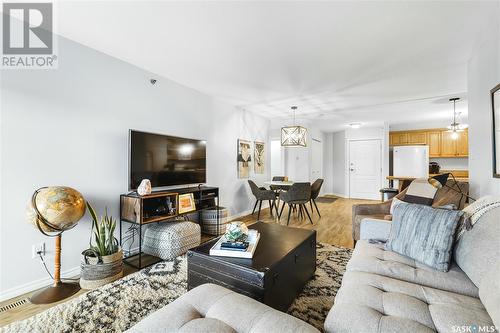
(165, 160)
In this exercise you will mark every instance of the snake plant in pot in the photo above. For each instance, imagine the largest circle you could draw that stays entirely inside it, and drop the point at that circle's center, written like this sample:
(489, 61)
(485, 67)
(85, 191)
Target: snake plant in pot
(102, 262)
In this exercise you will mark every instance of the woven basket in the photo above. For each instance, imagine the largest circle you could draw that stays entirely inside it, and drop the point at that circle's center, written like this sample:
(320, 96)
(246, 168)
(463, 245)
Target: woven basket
(98, 271)
(209, 221)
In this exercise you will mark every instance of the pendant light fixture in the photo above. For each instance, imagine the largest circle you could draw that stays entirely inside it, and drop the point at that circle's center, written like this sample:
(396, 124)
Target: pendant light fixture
(293, 136)
(455, 126)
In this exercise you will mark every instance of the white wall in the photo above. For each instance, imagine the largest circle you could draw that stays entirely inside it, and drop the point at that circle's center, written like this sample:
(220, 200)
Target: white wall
(483, 75)
(427, 124)
(70, 127)
(328, 163)
(339, 164)
(456, 163)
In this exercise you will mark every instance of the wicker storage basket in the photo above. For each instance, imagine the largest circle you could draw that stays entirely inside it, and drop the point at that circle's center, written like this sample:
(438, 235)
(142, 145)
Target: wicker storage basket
(209, 220)
(98, 271)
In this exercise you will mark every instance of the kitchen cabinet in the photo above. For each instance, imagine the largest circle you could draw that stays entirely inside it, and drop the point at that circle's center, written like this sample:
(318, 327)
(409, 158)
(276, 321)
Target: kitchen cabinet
(417, 138)
(434, 142)
(448, 145)
(440, 141)
(463, 144)
(398, 139)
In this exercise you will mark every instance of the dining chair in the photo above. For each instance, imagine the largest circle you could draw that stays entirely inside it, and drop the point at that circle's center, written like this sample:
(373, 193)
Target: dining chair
(260, 195)
(297, 195)
(315, 189)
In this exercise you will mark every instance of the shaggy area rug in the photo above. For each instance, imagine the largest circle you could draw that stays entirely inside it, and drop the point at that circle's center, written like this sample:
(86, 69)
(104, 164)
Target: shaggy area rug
(119, 305)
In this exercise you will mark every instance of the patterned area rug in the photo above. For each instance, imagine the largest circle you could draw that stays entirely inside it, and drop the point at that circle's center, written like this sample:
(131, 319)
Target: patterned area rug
(119, 305)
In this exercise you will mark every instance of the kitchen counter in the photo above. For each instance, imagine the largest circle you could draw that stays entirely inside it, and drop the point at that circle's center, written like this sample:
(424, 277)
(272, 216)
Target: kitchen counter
(460, 179)
(403, 182)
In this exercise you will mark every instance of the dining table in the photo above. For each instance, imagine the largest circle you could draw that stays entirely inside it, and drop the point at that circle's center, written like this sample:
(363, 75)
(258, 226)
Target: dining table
(282, 185)
(279, 183)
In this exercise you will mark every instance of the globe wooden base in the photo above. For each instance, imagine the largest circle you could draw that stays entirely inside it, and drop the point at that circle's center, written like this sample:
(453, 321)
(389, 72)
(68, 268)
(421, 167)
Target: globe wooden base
(59, 290)
(55, 293)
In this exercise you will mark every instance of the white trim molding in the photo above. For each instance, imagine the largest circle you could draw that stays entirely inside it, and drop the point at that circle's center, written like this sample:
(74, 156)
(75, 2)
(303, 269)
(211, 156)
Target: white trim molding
(37, 284)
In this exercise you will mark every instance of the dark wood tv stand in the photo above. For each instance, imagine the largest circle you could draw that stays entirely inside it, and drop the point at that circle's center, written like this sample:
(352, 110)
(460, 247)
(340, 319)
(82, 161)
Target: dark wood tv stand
(137, 211)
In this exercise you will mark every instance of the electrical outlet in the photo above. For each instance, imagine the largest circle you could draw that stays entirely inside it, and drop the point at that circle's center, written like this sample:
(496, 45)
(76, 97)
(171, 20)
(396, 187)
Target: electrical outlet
(35, 248)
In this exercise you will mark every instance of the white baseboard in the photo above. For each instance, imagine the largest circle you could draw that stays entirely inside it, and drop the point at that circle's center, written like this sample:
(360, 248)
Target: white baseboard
(34, 285)
(341, 195)
(247, 212)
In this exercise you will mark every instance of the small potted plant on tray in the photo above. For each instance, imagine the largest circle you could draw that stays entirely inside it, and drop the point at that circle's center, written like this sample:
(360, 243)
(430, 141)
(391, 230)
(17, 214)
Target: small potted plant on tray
(102, 262)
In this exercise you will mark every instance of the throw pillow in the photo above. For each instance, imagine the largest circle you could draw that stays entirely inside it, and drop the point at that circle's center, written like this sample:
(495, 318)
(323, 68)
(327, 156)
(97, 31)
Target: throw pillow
(420, 191)
(423, 190)
(395, 201)
(424, 233)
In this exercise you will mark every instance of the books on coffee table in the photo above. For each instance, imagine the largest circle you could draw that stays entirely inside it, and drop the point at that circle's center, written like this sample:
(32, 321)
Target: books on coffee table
(236, 250)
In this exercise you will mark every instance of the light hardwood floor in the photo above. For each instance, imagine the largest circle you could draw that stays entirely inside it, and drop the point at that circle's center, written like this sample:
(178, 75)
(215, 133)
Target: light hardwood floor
(334, 227)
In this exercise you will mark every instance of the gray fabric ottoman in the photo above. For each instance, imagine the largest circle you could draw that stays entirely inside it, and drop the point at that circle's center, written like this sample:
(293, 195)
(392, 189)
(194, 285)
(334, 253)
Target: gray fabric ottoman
(212, 308)
(168, 240)
(383, 291)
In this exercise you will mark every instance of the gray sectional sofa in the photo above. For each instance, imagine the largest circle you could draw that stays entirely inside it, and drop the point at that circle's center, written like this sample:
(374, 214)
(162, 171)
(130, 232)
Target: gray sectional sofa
(383, 291)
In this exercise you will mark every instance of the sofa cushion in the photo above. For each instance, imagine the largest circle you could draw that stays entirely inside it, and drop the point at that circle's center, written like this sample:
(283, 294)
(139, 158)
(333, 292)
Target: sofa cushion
(206, 325)
(357, 223)
(374, 303)
(211, 308)
(490, 293)
(374, 229)
(373, 258)
(477, 250)
(424, 234)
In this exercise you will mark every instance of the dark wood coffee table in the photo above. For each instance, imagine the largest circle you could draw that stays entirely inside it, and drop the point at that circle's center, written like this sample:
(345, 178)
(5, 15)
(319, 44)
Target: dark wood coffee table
(285, 259)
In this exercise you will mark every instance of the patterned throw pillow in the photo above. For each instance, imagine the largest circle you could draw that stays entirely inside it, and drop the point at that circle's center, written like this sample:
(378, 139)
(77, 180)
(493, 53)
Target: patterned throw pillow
(424, 233)
(420, 191)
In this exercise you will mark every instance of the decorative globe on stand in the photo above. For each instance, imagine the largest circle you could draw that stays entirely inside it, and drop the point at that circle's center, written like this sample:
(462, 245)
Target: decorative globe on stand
(54, 210)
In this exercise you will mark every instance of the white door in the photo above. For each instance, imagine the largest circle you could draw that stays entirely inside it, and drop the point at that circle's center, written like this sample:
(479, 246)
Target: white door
(365, 169)
(276, 159)
(316, 160)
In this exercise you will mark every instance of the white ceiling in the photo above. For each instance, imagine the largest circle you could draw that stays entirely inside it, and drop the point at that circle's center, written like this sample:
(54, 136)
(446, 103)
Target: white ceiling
(340, 62)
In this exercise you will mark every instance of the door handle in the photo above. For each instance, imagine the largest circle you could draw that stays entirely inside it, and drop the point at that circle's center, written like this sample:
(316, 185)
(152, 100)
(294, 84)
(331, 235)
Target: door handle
(351, 169)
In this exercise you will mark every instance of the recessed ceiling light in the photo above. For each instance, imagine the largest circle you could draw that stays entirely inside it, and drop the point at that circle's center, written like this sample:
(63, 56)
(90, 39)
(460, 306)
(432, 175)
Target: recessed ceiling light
(355, 125)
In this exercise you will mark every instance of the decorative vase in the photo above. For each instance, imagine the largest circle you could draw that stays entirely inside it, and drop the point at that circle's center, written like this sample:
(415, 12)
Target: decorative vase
(236, 231)
(98, 270)
(144, 188)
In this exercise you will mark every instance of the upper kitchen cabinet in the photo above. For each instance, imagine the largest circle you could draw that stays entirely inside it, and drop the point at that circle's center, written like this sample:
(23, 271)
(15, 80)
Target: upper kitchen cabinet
(463, 144)
(398, 138)
(417, 138)
(440, 141)
(434, 142)
(448, 145)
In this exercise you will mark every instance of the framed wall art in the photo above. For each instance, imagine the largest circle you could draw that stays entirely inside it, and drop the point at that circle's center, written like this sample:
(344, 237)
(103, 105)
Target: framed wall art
(244, 158)
(259, 157)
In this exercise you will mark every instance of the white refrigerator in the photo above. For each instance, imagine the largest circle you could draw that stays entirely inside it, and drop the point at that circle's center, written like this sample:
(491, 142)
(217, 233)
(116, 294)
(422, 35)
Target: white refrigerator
(410, 161)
